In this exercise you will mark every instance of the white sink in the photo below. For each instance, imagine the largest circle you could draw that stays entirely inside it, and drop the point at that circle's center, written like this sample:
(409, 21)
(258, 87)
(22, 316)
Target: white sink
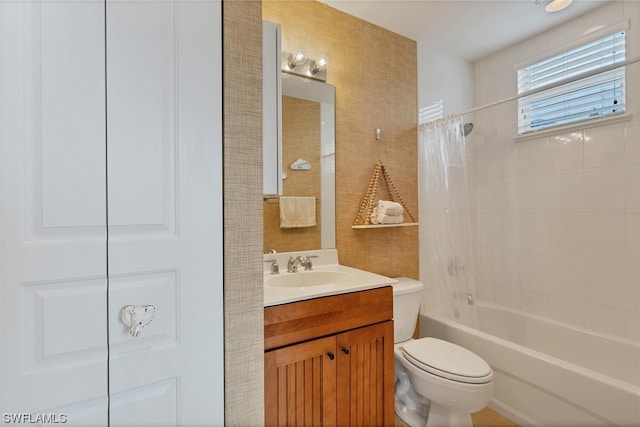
(328, 277)
(307, 278)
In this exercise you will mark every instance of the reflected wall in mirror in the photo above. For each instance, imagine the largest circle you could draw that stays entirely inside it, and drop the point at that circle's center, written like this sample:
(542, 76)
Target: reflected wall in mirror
(308, 133)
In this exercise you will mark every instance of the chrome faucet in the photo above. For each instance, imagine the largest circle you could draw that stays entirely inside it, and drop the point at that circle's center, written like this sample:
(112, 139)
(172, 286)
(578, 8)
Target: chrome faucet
(305, 261)
(275, 268)
(293, 263)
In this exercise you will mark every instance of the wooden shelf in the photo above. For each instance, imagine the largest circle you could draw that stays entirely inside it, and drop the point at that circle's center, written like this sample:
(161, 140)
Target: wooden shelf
(372, 197)
(404, 224)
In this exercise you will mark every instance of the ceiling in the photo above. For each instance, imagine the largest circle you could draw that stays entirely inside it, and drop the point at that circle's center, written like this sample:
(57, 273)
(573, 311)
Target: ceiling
(470, 29)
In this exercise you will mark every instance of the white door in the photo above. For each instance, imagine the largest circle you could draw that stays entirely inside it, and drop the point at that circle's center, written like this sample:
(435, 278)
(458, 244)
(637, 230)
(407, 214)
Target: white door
(53, 269)
(61, 290)
(164, 211)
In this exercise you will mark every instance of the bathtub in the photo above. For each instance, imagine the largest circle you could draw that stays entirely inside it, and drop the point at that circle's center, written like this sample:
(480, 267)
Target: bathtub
(548, 373)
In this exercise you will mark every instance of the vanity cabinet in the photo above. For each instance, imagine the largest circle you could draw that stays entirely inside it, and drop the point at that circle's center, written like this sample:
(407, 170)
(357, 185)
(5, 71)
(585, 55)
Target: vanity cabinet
(329, 361)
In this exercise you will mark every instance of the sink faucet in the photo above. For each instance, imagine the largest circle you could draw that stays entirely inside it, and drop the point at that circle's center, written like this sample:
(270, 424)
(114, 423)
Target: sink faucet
(293, 263)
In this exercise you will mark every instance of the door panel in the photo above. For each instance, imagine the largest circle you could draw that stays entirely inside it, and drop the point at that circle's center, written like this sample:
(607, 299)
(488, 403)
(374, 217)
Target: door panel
(53, 333)
(165, 218)
(142, 117)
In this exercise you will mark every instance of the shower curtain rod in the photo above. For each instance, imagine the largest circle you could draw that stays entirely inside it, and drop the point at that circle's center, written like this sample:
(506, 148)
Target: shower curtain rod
(542, 88)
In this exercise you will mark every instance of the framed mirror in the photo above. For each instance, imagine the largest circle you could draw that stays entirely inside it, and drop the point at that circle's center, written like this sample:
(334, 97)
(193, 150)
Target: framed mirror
(308, 165)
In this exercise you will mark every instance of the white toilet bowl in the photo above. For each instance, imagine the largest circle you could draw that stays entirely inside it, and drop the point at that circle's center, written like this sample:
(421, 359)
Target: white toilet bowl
(447, 383)
(438, 383)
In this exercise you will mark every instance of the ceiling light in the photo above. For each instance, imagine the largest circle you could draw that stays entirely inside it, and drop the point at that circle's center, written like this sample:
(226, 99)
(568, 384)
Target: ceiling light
(556, 5)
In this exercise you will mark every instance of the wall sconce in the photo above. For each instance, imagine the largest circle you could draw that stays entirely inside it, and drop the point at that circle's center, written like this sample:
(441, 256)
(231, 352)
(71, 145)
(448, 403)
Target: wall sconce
(298, 64)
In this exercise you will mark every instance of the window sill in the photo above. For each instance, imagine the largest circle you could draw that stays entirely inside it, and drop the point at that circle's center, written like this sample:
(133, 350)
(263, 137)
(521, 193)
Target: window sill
(591, 123)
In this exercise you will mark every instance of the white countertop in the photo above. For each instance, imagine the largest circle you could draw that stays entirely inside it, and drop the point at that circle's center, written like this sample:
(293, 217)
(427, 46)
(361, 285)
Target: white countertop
(351, 279)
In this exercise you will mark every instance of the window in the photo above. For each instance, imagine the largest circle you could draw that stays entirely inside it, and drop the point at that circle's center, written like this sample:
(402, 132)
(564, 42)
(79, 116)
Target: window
(431, 112)
(596, 96)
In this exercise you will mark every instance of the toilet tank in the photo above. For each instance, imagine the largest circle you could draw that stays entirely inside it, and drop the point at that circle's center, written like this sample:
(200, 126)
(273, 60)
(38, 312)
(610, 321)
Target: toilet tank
(407, 296)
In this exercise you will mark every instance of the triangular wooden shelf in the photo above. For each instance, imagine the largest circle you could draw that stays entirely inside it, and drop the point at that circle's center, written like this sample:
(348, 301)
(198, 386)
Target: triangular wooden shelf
(370, 200)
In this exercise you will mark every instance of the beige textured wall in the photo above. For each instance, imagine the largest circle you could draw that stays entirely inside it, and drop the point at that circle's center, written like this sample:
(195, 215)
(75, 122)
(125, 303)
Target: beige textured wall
(375, 75)
(300, 139)
(243, 294)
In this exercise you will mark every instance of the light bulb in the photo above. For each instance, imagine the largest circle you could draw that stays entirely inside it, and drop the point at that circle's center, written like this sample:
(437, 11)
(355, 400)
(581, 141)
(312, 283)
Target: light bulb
(296, 58)
(321, 64)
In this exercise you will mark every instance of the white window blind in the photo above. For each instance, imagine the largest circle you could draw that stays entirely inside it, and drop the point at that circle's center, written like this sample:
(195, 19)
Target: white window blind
(431, 112)
(596, 96)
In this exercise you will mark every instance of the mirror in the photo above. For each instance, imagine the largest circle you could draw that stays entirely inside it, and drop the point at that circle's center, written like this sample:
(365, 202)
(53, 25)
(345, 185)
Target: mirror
(308, 163)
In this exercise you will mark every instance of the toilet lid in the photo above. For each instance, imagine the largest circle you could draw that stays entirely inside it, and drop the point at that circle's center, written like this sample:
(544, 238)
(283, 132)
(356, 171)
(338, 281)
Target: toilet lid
(447, 360)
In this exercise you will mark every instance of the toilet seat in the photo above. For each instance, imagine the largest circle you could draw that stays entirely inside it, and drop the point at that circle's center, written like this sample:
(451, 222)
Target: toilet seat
(447, 360)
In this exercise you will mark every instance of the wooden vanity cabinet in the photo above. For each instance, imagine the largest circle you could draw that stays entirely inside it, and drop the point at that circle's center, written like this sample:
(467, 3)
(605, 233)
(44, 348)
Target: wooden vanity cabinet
(329, 361)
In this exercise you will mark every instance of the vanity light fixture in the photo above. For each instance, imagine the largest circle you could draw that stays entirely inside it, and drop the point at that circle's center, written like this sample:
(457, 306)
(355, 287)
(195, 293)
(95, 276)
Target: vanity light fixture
(297, 63)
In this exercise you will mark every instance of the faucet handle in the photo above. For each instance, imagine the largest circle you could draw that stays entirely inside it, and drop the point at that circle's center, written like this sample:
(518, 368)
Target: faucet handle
(292, 265)
(308, 265)
(275, 268)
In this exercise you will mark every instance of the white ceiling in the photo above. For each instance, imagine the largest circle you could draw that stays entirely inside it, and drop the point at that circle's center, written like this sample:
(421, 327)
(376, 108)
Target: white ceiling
(471, 29)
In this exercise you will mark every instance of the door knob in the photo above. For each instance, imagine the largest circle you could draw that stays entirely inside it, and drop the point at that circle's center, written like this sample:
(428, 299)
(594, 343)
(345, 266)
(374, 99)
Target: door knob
(331, 355)
(345, 350)
(136, 317)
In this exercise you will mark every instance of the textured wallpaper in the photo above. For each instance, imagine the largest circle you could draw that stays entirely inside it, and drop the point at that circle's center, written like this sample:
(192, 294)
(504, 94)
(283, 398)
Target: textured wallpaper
(243, 295)
(375, 75)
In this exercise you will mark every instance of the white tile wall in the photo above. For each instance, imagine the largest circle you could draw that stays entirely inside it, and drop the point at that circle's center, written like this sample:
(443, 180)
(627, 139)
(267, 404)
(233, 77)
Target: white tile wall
(558, 218)
(604, 146)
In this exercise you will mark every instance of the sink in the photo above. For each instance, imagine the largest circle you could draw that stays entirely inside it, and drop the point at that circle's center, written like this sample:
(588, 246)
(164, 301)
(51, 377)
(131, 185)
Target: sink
(328, 277)
(306, 279)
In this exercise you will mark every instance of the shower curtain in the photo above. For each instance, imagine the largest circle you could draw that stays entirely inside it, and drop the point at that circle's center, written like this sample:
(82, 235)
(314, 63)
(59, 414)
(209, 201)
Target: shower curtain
(446, 233)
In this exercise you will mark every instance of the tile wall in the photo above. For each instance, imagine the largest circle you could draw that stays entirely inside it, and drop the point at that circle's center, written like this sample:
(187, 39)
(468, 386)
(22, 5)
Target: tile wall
(558, 217)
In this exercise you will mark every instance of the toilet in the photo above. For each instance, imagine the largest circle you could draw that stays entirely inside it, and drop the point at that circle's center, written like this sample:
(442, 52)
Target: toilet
(437, 383)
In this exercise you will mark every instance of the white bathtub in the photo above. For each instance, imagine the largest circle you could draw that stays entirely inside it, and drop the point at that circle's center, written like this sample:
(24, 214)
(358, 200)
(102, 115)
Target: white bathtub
(548, 373)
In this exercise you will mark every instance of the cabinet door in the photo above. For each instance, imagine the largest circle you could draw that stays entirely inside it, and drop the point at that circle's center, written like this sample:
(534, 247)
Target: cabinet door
(365, 376)
(300, 384)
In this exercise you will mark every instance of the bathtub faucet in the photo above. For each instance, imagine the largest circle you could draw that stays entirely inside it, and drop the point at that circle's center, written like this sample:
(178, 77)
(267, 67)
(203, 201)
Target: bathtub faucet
(470, 300)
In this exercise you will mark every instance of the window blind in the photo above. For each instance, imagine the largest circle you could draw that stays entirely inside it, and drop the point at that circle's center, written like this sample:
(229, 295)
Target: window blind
(431, 112)
(596, 96)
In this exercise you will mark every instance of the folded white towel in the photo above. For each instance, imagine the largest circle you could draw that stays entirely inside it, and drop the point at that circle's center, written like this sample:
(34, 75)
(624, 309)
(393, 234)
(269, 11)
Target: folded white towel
(390, 219)
(378, 217)
(388, 207)
(297, 212)
(374, 216)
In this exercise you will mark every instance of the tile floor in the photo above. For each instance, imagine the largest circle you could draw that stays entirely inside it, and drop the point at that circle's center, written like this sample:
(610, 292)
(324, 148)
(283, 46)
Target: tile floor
(484, 418)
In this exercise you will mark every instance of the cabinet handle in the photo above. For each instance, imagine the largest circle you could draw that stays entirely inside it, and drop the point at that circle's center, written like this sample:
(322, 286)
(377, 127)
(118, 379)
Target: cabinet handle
(331, 355)
(345, 350)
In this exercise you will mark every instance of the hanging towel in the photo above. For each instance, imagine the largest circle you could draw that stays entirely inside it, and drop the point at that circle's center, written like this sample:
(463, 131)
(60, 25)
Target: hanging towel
(297, 212)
